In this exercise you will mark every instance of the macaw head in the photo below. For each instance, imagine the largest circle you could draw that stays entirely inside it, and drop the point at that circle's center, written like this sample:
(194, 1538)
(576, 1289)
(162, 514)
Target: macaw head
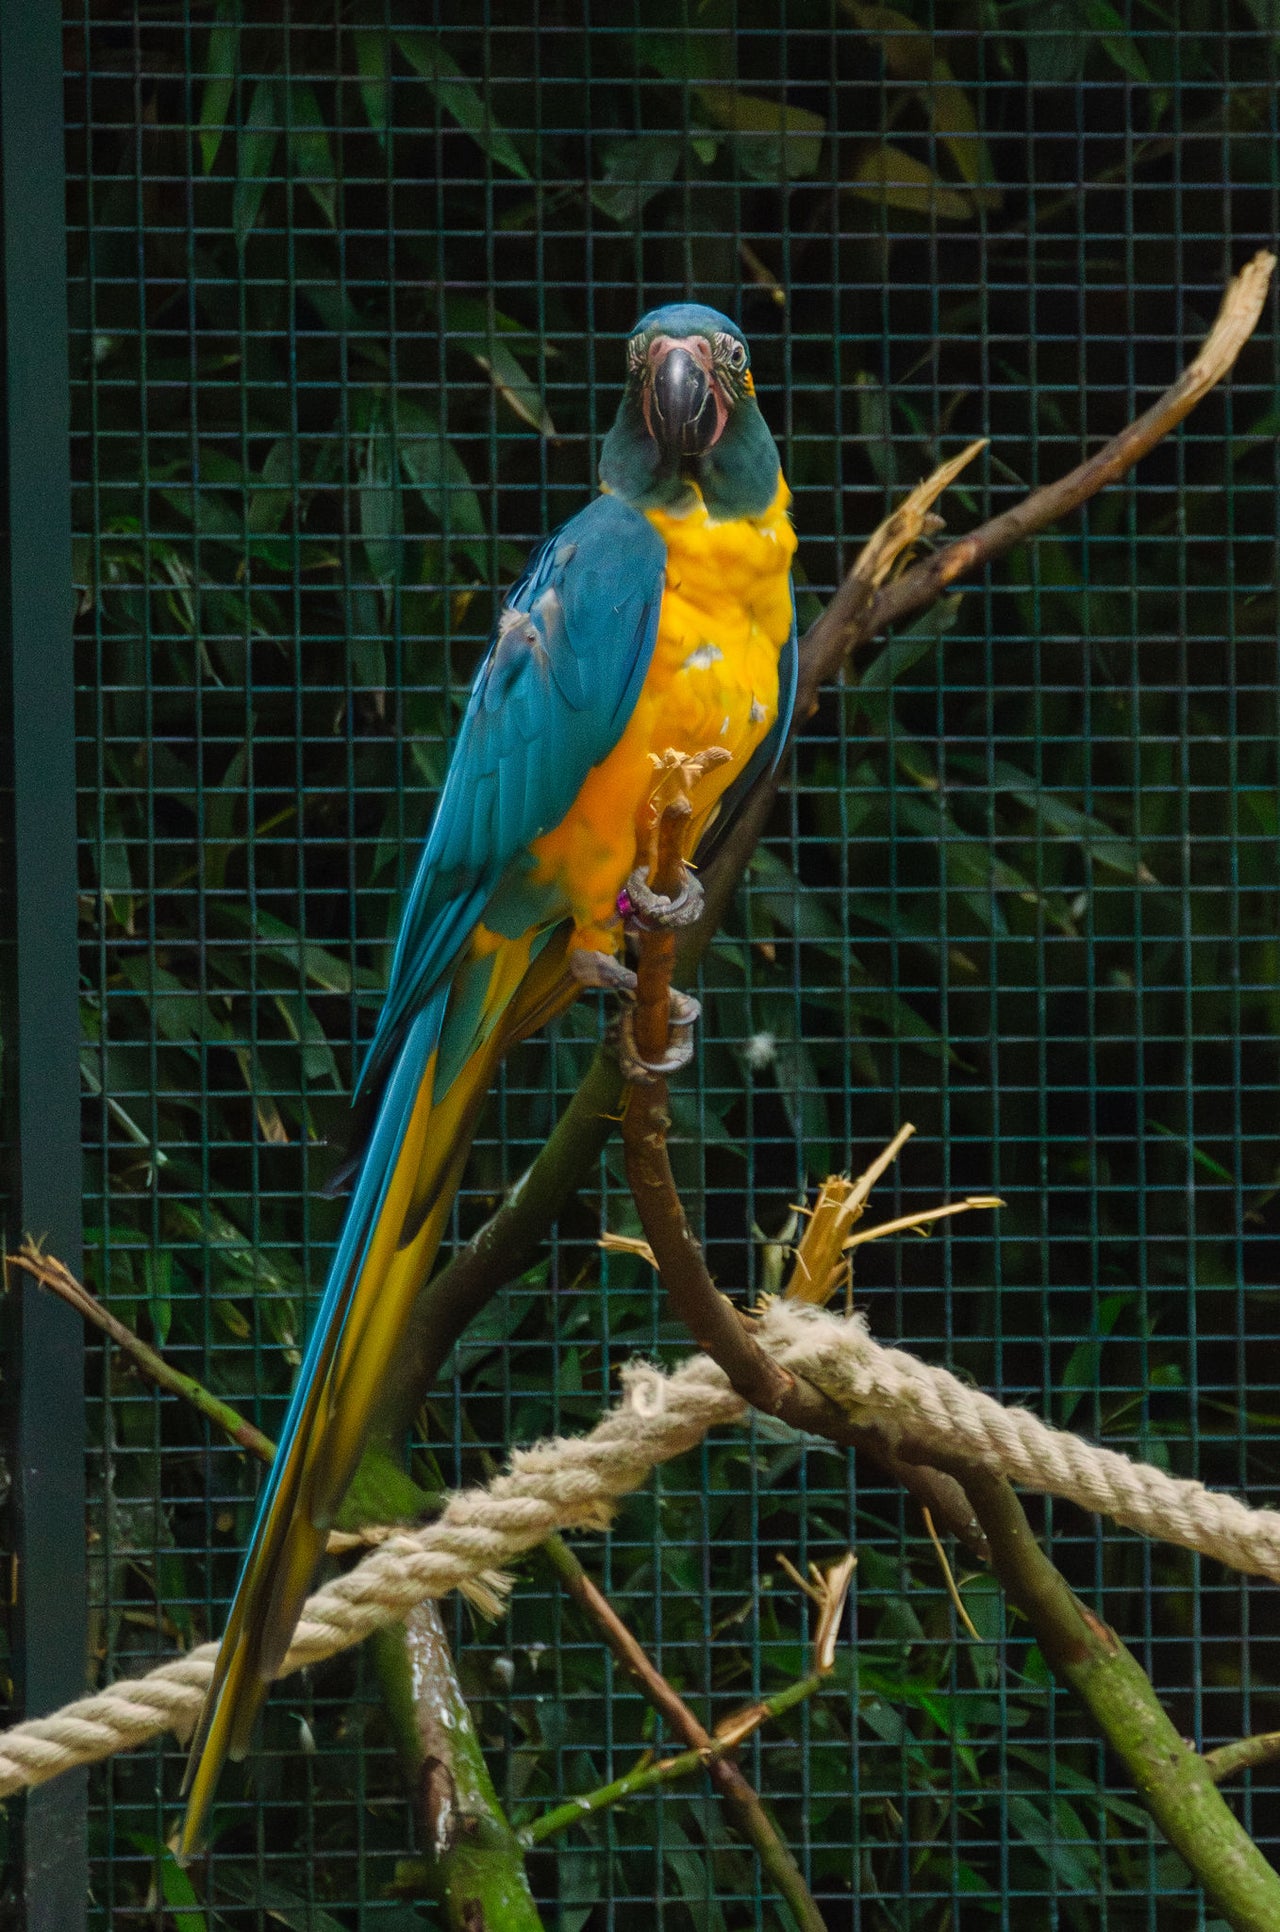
(688, 423)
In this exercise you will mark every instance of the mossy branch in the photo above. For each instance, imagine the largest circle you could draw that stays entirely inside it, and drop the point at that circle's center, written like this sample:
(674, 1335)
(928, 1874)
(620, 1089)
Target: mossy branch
(471, 1862)
(1177, 1784)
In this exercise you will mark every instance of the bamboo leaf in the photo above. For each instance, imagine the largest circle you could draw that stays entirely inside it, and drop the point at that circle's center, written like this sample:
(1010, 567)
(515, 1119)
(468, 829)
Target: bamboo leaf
(1056, 51)
(635, 171)
(439, 474)
(900, 655)
(220, 75)
(255, 153)
(477, 328)
(910, 56)
(1059, 815)
(775, 141)
(895, 179)
(1117, 42)
(373, 66)
(310, 154)
(157, 1278)
(515, 386)
(381, 524)
(459, 98)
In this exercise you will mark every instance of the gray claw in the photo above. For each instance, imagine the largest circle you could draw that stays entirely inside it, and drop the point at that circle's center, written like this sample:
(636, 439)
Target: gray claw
(685, 1010)
(602, 969)
(653, 909)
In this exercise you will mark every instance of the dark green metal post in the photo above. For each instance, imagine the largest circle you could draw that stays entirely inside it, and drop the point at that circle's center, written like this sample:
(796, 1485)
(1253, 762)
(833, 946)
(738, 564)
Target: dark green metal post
(44, 1384)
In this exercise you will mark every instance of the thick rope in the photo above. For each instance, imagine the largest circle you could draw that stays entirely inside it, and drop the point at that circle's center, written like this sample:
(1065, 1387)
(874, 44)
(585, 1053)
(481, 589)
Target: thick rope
(575, 1483)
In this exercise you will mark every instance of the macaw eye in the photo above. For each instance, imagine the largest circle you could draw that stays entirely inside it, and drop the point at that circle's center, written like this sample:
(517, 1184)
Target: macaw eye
(731, 351)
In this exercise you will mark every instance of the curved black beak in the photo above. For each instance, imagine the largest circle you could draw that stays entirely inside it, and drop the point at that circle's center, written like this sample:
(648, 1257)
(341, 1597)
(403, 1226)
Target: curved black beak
(684, 419)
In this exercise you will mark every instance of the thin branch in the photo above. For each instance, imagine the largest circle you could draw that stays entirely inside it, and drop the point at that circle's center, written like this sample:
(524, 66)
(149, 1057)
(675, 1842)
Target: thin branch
(1174, 1782)
(55, 1276)
(861, 610)
(740, 1796)
(1246, 1754)
(649, 1777)
(864, 606)
(708, 1315)
(1237, 318)
(948, 1577)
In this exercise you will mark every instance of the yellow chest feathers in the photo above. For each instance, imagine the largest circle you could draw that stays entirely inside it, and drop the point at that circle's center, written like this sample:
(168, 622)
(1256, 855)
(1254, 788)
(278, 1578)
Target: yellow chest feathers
(713, 680)
(726, 613)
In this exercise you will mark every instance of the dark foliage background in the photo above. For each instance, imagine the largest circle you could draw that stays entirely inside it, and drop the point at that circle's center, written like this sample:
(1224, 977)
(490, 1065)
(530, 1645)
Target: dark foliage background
(347, 292)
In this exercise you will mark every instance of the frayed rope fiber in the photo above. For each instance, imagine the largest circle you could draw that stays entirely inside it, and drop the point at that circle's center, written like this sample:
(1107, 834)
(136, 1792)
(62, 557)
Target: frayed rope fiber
(576, 1482)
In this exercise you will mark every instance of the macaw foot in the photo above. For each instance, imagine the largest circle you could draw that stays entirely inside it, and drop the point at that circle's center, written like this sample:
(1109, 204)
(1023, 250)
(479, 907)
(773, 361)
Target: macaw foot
(603, 970)
(685, 1011)
(640, 907)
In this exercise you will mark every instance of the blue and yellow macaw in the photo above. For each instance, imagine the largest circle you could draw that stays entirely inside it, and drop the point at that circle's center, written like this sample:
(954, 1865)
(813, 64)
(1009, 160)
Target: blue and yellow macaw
(660, 618)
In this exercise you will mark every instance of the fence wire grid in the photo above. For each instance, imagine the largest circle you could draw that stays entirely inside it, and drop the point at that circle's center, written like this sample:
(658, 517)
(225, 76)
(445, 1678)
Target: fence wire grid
(348, 289)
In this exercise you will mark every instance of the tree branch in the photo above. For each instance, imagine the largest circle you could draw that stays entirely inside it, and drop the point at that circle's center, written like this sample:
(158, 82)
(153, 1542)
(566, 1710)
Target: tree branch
(1175, 1783)
(472, 1864)
(709, 1316)
(650, 1777)
(1246, 1754)
(55, 1276)
(740, 1796)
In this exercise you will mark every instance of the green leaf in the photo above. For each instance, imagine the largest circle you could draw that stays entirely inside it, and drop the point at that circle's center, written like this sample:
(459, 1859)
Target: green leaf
(459, 98)
(318, 1061)
(176, 1888)
(515, 386)
(800, 1087)
(222, 802)
(1061, 1841)
(373, 65)
(440, 476)
(895, 179)
(698, 56)
(900, 655)
(1110, 29)
(255, 153)
(1057, 49)
(381, 523)
(634, 172)
(310, 155)
(220, 75)
(1099, 841)
(875, 426)
(1080, 1374)
(275, 1901)
(472, 326)
(776, 142)
(693, 1873)
(115, 874)
(277, 940)
(179, 1014)
(271, 495)
(909, 55)
(1199, 1157)
(157, 1277)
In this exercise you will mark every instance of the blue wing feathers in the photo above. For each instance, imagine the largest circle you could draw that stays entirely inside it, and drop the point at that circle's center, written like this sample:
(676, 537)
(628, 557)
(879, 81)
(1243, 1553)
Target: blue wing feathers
(551, 700)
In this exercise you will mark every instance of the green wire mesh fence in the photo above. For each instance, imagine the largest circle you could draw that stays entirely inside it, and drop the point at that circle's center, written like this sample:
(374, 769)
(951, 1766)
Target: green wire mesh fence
(347, 292)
